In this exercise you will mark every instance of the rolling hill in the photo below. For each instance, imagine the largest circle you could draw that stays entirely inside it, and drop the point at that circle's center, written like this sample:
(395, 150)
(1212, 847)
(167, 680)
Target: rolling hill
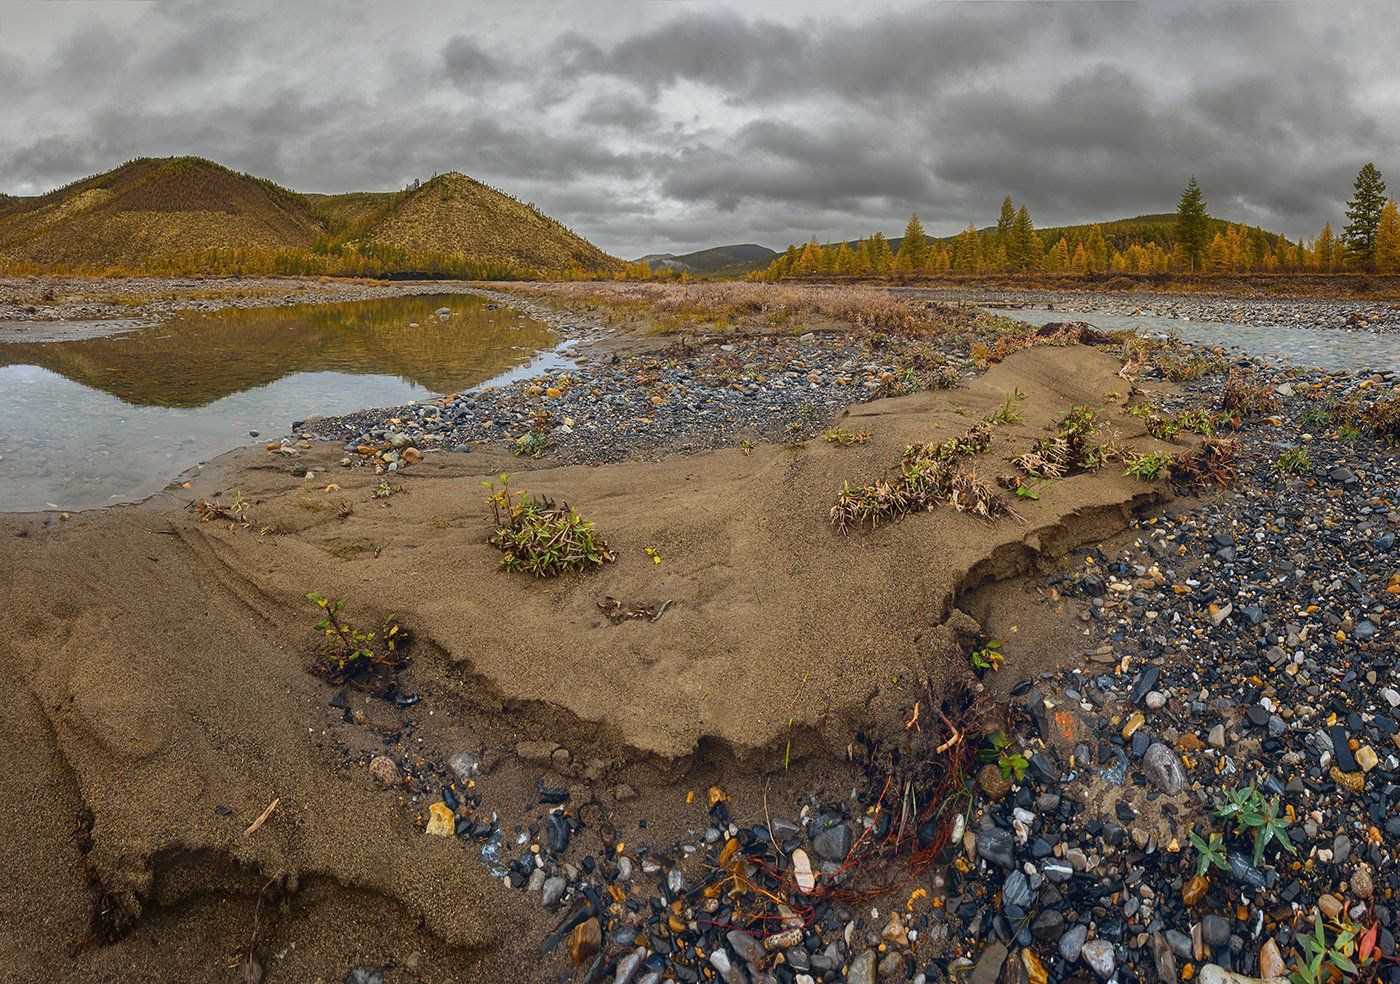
(193, 215)
(715, 261)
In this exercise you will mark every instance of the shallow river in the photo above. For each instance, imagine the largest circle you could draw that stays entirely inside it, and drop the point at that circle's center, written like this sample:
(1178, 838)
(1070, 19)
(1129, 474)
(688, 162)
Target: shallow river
(1322, 348)
(91, 422)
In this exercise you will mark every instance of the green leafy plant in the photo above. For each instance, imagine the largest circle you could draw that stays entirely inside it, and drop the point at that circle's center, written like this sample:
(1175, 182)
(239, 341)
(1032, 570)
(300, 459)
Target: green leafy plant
(844, 438)
(1294, 461)
(1335, 949)
(1349, 435)
(385, 490)
(1149, 467)
(1209, 852)
(346, 648)
(1012, 765)
(531, 445)
(989, 657)
(1199, 420)
(1008, 413)
(1030, 491)
(539, 537)
(1254, 815)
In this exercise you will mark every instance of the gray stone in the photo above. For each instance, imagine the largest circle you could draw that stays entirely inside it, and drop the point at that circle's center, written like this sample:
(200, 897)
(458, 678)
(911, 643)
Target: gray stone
(553, 891)
(1101, 959)
(862, 969)
(1164, 769)
(1073, 941)
(365, 975)
(834, 843)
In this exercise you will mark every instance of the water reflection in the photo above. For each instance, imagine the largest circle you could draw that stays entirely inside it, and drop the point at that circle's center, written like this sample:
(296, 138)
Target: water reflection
(101, 420)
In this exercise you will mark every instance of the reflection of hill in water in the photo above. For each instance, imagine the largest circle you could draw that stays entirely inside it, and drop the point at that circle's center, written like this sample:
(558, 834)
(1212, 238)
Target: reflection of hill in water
(193, 360)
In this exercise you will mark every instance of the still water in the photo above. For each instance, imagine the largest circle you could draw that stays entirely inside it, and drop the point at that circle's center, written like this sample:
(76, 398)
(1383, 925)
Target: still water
(1321, 348)
(90, 422)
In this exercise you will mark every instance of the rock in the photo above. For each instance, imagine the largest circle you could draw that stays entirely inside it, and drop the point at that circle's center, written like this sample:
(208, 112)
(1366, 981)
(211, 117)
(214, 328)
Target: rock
(1100, 958)
(1073, 941)
(382, 767)
(1016, 891)
(802, 872)
(1215, 974)
(1194, 889)
(365, 975)
(442, 822)
(535, 752)
(834, 843)
(1330, 905)
(1271, 962)
(993, 782)
(1036, 971)
(465, 765)
(997, 846)
(1164, 769)
(1362, 884)
(1163, 959)
(748, 949)
(1367, 758)
(1215, 931)
(988, 968)
(728, 971)
(862, 968)
(553, 891)
(585, 941)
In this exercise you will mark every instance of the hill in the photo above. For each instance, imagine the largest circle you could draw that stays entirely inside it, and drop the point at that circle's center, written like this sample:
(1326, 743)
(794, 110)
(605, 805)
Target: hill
(716, 261)
(148, 209)
(190, 215)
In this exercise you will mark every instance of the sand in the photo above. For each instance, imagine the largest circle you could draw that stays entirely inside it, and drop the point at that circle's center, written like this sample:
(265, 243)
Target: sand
(155, 668)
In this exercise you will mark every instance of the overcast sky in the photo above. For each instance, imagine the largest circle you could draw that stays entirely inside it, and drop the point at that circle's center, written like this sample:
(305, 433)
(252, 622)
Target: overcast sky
(671, 126)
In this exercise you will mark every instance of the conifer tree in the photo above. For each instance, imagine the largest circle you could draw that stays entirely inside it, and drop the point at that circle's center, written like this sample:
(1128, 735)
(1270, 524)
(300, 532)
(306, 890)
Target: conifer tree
(1191, 225)
(911, 250)
(1388, 238)
(878, 251)
(1325, 249)
(1006, 224)
(1364, 215)
(1025, 252)
(1097, 249)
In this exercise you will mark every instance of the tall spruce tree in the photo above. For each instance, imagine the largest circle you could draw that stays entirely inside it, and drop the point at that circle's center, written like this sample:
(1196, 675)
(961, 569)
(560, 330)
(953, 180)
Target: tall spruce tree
(1364, 216)
(1003, 238)
(914, 246)
(1191, 224)
(1027, 251)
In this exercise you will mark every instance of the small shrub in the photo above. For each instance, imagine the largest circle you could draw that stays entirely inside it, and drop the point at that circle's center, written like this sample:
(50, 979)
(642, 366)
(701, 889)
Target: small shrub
(347, 651)
(1199, 420)
(1383, 417)
(539, 537)
(1294, 461)
(531, 445)
(1256, 816)
(1069, 452)
(1008, 413)
(1149, 467)
(1243, 396)
(1211, 463)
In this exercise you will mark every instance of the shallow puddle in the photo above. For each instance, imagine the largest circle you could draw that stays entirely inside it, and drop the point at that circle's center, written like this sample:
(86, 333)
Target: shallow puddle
(95, 421)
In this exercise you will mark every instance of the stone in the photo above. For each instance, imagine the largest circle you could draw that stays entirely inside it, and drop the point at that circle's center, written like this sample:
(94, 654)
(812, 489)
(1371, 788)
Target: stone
(464, 765)
(1036, 971)
(365, 975)
(1362, 884)
(585, 941)
(1215, 974)
(535, 752)
(1215, 931)
(553, 891)
(988, 967)
(997, 846)
(1164, 769)
(628, 966)
(1367, 758)
(993, 782)
(383, 768)
(1330, 905)
(1073, 941)
(834, 843)
(747, 947)
(862, 968)
(728, 971)
(1271, 963)
(1194, 889)
(802, 872)
(1100, 958)
(1017, 891)
(442, 822)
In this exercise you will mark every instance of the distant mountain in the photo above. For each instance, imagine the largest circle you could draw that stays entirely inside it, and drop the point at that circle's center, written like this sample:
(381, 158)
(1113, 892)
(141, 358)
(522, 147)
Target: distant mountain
(717, 260)
(170, 213)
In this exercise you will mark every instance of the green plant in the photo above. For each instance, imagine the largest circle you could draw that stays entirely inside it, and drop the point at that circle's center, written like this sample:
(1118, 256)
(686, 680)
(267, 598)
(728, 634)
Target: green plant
(747, 445)
(539, 537)
(1383, 417)
(1209, 852)
(988, 657)
(531, 445)
(1334, 950)
(1071, 450)
(1294, 461)
(1349, 435)
(344, 646)
(844, 438)
(1012, 765)
(1243, 396)
(1199, 420)
(1031, 491)
(1008, 413)
(1149, 467)
(385, 490)
(1254, 815)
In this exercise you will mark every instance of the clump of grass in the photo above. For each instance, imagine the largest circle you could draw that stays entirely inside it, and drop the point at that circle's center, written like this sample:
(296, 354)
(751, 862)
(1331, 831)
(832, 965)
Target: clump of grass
(1070, 451)
(1294, 461)
(1008, 413)
(844, 438)
(1211, 463)
(539, 537)
(1199, 420)
(347, 651)
(1244, 396)
(1149, 467)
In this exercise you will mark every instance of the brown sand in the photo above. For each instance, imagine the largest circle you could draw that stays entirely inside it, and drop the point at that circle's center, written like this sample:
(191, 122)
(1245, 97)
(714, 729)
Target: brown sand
(155, 668)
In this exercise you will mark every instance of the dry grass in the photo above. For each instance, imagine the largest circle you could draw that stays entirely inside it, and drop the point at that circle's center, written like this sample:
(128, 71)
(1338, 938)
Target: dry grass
(714, 306)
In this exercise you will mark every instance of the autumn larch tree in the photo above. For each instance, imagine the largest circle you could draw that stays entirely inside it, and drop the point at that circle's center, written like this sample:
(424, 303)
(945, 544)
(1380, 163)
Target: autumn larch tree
(1004, 237)
(1388, 238)
(1191, 224)
(1026, 250)
(1364, 216)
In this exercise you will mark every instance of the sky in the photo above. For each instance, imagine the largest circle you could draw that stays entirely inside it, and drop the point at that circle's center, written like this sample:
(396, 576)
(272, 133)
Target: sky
(665, 127)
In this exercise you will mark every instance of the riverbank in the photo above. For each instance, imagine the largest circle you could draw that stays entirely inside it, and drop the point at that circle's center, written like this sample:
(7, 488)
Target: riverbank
(751, 745)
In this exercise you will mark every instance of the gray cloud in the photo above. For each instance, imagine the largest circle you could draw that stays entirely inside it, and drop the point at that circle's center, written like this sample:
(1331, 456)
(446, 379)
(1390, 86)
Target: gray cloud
(676, 126)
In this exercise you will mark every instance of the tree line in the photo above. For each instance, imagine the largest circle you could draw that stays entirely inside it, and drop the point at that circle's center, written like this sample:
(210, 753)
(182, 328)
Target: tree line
(1192, 243)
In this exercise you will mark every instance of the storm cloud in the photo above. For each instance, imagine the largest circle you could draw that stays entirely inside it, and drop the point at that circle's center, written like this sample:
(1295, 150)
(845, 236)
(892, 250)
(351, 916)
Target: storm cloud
(674, 126)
